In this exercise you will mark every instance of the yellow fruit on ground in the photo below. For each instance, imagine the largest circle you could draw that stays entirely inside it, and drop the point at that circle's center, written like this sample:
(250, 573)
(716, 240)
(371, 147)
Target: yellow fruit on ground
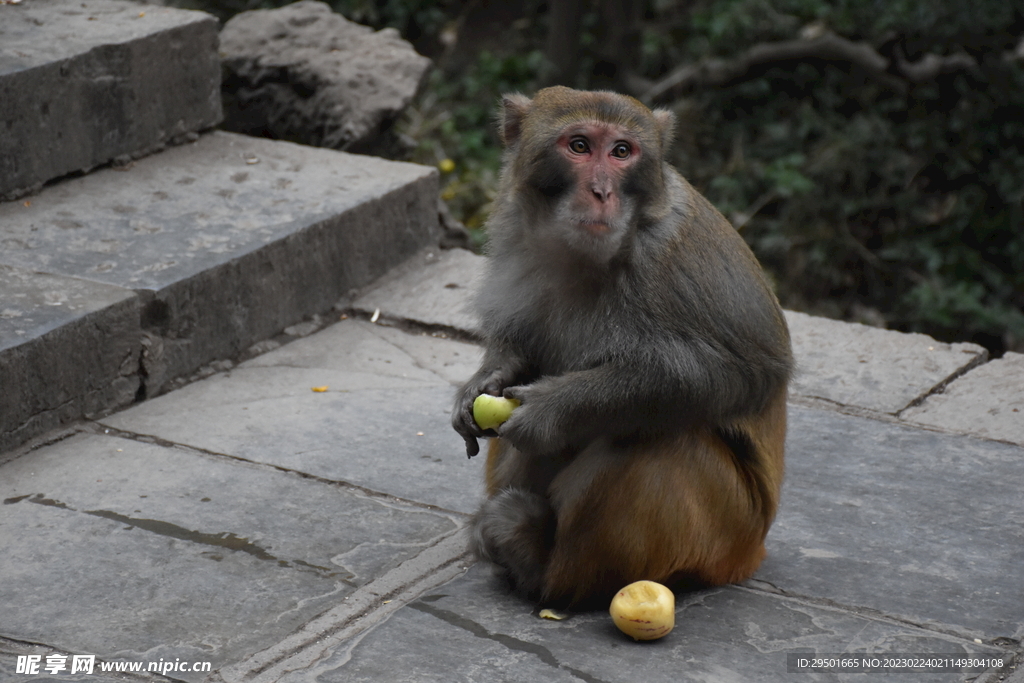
(644, 610)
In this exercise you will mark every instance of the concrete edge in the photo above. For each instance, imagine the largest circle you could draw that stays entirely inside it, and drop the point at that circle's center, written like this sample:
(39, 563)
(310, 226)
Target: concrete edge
(154, 103)
(354, 248)
(361, 610)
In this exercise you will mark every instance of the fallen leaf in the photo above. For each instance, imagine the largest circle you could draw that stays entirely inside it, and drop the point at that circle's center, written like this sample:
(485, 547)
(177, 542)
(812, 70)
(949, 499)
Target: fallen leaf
(552, 614)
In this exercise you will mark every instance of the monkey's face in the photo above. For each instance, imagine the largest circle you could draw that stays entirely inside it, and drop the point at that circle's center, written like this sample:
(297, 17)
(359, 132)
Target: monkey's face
(584, 179)
(600, 155)
(583, 168)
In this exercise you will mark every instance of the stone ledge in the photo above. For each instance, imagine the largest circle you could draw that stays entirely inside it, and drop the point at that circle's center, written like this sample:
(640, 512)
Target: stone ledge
(82, 84)
(848, 365)
(218, 245)
(866, 367)
(434, 288)
(68, 348)
(988, 401)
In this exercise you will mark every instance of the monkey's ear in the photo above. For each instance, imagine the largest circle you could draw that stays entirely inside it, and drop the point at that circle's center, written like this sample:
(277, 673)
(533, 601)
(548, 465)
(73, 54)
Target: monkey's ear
(666, 122)
(513, 111)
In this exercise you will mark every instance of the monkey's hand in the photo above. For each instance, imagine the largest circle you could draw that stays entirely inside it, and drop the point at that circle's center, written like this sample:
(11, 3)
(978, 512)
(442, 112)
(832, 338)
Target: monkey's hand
(534, 426)
(499, 369)
(462, 414)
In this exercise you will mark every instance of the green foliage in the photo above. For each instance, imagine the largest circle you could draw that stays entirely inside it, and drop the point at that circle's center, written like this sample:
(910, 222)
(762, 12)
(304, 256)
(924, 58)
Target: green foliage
(454, 120)
(858, 197)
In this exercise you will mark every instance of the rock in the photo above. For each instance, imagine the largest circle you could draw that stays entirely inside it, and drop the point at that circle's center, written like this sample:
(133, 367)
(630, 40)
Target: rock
(305, 74)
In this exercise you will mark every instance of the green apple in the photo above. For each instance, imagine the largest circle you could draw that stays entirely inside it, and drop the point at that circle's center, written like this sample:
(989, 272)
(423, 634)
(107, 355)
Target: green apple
(490, 411)
(644, 610)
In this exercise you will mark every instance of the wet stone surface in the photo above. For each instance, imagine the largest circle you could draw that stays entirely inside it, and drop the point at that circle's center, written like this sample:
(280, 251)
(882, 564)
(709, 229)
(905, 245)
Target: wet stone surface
(472, 630)
(131, 550)
(914, 524)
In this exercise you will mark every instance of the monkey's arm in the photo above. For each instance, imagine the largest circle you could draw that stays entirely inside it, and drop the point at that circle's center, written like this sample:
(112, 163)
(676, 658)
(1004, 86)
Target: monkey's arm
(500, 369)
(656, 390)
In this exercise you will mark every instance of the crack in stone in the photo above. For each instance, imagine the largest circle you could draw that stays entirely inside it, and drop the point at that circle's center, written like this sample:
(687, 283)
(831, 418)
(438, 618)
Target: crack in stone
(979, 360)
(544, 654)
(225, 539)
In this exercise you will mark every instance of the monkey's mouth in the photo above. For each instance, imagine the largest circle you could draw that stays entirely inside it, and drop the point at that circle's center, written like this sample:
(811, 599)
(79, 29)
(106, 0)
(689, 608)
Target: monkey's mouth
(594, 227)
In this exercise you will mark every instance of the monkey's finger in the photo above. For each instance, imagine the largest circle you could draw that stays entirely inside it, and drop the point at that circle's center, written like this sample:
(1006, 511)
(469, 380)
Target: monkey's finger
(472, 446)
(517, 392)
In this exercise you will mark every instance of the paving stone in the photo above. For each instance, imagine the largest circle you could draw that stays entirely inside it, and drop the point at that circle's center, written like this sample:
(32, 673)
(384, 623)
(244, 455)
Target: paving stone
(382, 423)
(988, 401)
(82, 84)
(380, 349)
(229, 240)
(915, 524)
(354, 345)
(454, 361)
(68, 347)
(134, 551)
(867, 367)
(471, 630)
(435, 287)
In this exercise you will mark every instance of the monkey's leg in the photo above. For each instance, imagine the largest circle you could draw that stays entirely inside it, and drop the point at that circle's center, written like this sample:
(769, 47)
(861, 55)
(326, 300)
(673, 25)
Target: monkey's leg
(675, 508)
(514, 528)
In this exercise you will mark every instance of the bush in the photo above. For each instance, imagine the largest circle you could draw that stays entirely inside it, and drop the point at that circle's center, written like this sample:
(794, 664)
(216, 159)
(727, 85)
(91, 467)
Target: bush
(898, 207)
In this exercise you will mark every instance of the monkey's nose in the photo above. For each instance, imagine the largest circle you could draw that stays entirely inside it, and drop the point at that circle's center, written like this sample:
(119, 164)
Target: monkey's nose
(603, 193)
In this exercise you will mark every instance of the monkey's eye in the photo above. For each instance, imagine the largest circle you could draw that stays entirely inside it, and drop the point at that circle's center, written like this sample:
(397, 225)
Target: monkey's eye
(621, 150)
(579, 145)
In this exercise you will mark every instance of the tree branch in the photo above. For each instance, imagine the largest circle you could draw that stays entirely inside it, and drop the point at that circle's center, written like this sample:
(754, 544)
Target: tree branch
(931, 66)
(825, 46)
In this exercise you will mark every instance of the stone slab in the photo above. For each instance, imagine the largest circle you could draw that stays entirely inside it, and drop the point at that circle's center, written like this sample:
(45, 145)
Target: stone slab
(83, 84)
(68, 348)
(471, 630)
(433, 288)
(453, 361)
(136, 551)
(918, 525)
(988, 401)
(867, 367)
(228, 240)
(878, 516)
(382, 423)
(357, 345)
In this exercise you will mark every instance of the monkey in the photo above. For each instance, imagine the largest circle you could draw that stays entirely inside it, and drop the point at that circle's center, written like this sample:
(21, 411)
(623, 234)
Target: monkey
(647, 350)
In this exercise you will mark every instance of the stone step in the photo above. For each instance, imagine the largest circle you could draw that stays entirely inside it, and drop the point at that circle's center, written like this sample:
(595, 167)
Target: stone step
(86, 83)
(130, 277)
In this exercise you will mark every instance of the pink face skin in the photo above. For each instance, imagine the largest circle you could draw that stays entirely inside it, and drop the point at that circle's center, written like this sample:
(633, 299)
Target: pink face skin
(601, 153)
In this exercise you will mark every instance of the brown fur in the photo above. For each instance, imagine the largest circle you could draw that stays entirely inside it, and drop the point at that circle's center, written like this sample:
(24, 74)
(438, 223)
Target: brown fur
(683, 508)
